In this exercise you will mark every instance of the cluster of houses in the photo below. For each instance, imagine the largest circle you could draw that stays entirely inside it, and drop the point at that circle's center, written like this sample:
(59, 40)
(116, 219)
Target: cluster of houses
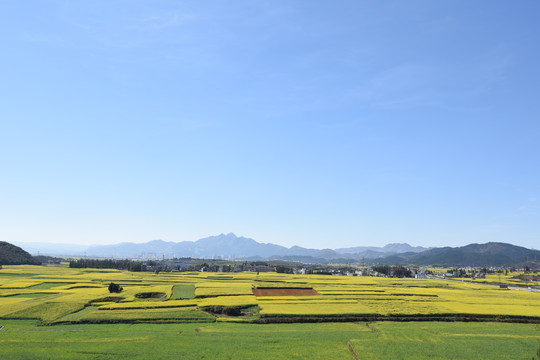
(364, 271)
(458, 274)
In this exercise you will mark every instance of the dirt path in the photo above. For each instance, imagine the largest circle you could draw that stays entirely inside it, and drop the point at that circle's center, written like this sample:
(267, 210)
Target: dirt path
(352, 350)
(371, 328)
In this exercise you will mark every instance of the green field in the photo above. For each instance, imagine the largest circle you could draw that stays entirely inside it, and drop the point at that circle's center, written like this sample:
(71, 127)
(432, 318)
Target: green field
(382, 340)
(183, 292)
(55, 312)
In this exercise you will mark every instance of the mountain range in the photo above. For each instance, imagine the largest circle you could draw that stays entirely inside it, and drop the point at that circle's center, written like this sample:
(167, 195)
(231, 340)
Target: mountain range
(231, 247)
(223, 246)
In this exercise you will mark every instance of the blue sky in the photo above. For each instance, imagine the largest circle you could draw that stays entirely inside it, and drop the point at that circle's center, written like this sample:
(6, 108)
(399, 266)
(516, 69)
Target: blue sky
(313, 123)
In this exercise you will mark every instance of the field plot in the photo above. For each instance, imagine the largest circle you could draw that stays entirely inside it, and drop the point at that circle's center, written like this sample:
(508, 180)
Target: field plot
(46, 311)
(11, 304)
(183, 292)
(178, 314)
(436, 340)
(382, 340)
(49, 285)
(221, 287)
(284, 292)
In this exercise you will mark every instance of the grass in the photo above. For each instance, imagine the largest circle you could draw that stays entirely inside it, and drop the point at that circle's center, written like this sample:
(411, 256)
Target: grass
(435, 340)
(221, 340)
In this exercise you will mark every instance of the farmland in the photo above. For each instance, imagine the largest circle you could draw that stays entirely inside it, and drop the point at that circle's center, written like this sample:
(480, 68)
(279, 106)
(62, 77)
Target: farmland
(382, 340)
(303, 316)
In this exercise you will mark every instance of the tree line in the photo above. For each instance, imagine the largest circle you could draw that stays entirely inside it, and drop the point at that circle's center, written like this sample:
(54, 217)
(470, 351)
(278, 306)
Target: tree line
(393, 271)
(107, 264)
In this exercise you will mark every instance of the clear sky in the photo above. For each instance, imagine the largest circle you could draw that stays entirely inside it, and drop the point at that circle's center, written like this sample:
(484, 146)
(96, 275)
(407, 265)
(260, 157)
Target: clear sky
(322, 124)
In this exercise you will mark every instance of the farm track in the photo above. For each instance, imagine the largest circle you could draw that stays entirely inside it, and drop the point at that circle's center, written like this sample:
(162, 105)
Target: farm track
(371, 328)
(349, 345)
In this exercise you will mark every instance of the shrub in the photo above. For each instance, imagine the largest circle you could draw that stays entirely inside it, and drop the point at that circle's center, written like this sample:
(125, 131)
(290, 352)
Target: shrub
(114, 288)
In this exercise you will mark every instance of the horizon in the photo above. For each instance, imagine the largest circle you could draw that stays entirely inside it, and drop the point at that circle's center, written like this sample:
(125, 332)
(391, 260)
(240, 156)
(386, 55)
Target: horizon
(308, 123)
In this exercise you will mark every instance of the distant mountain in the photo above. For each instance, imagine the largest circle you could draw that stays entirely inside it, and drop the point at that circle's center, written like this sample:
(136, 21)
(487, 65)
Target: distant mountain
(358, 249)
(397, 248)
(226, 246)
(230, 246)
(37, 248)
(489, 254)
(373, 251)
(220, 246)
(14, 255)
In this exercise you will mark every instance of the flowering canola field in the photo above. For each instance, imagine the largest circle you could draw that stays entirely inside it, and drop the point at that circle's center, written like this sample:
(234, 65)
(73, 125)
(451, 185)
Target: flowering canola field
(60, 295)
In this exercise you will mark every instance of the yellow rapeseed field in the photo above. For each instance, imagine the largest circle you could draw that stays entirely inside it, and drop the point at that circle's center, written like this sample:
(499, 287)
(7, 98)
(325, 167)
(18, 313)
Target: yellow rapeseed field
(54, 292)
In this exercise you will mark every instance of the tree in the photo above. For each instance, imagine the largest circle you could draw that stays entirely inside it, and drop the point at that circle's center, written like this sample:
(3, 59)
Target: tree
(136, 266)
(114, 288)
(401, 272)
(282, 269)
(383, 269)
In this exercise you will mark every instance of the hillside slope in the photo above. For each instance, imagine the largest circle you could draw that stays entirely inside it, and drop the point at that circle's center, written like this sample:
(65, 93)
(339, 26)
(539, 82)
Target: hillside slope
(14, 255)
(489, 254)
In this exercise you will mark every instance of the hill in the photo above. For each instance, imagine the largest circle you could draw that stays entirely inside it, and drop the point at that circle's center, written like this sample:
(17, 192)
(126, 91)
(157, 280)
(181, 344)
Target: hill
(14, 255)
(489, 254)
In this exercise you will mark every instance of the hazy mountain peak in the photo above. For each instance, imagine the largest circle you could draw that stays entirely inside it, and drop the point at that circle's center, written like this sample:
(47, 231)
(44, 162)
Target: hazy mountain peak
(159, 241)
